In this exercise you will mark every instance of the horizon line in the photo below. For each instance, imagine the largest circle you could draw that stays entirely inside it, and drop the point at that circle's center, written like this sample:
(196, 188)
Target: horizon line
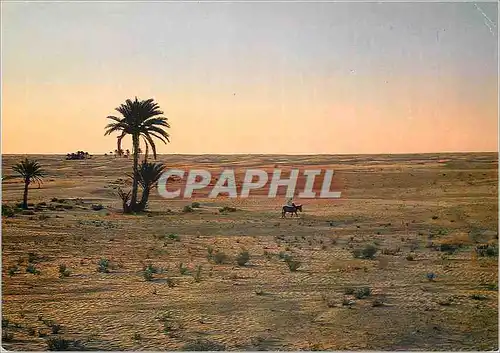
(267, 154)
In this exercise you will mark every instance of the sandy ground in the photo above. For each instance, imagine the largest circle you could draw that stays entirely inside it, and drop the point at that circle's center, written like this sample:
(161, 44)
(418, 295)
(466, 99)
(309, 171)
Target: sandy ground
(402, 201)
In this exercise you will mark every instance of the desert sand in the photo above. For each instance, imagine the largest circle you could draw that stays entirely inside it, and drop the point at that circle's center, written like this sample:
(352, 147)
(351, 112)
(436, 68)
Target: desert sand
(404, 205)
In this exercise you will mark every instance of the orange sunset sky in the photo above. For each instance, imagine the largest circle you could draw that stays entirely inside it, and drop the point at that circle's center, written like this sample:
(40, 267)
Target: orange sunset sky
(290, 78)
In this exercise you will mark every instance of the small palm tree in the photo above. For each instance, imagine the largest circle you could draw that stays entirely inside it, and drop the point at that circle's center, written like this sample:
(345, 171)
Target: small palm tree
(139, 119)
(148, 176)
(30, 171)
(125, 196)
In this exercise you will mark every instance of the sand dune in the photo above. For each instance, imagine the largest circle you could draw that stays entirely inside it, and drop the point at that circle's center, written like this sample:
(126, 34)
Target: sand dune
(394, 202)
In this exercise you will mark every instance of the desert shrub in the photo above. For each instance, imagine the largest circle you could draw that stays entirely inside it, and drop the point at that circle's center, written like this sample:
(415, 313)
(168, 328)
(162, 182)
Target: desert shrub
(7, 336)
(201, 345)
(55, 328)
(5, 322)
(491, 251)
(170, 282)
(195, 205)
(476, 296)
(187, 209)
(283, 255)
(103, 266)
(7, 211)
(173, 236)
(448, 248)
(220, 257)
(151, 268)
(63, 271)
(183, 269)
(368, 252)
(242, 258)
(12, 270)
(410, 257)
(57, 344)
(197, 274)
(227, 209)
(148, 272)
(148, 276)
(362, 292)
(210, 252)
(137, 336)
(293, 265)
(32, 269)
(492, 286)
(97, 207)
(170, 323)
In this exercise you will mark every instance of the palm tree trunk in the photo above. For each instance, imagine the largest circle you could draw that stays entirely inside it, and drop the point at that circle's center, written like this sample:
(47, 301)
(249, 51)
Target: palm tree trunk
(147, 151)
(25, 196)
(135, 183)
(144, 200)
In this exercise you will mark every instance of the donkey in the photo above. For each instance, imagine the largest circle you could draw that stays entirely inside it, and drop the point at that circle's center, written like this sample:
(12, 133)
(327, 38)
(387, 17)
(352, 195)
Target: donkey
(291, 209)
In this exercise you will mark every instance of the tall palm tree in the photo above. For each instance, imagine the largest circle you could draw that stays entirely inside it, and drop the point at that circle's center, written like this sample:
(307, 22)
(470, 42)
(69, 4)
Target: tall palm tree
(148, 176)
(139, 119)
(30, 171)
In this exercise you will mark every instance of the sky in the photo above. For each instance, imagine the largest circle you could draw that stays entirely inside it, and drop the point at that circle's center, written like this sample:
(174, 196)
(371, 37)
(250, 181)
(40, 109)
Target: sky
(272, 78)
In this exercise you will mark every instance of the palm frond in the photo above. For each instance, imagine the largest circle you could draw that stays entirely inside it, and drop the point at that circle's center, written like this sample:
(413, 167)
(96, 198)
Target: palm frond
(155, 131)
(29, 170)
(152, 144)
(118, 120)
(140, 117)
(161, 121)
(125, 196)
(149, 173)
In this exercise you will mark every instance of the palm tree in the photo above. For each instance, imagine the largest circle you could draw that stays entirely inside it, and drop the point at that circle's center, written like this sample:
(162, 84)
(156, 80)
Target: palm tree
(139, 119)
(148, 176)
(30, 171)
